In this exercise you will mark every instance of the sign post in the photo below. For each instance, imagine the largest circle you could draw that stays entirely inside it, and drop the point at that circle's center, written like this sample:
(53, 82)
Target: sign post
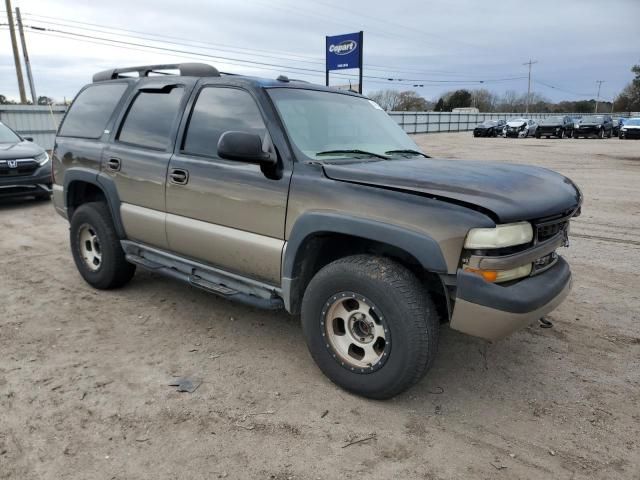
(344, 52)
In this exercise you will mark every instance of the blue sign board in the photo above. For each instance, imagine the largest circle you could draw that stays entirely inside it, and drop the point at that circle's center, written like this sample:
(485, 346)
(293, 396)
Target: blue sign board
(344, 51)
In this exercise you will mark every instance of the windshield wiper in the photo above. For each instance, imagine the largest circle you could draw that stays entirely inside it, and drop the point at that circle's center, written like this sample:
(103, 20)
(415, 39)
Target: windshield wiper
(413, 152)
(353, 151)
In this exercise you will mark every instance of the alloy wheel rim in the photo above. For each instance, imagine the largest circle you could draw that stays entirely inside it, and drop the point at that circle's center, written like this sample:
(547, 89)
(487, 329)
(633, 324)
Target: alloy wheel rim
(90, 249)
(356, 333)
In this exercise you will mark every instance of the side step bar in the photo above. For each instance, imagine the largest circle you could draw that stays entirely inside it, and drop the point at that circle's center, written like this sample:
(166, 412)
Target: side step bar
(228, 286)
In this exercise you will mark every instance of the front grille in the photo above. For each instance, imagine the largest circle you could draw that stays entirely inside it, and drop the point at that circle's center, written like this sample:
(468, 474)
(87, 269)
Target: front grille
(547, 230)
(23, 168)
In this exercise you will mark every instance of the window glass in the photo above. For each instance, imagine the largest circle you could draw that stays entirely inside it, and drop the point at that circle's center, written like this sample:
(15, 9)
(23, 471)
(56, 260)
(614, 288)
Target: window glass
(90, 111)
(151, 117)
(7, 135)
(216, 111)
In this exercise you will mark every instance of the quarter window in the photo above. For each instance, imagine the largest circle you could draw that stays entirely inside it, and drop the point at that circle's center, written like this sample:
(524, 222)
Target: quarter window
(216, 111)
(91, 110)
(150, 120)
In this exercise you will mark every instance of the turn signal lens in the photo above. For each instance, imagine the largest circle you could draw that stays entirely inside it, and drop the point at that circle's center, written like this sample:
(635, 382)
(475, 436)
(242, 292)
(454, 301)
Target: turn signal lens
(497, 276)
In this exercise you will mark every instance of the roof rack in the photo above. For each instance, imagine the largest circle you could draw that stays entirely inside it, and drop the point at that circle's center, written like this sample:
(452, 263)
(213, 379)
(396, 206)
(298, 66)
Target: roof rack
(186, 70)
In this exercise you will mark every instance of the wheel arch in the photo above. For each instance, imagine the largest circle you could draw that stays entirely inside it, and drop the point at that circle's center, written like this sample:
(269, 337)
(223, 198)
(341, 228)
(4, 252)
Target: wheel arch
(84, 185)
(318, 239)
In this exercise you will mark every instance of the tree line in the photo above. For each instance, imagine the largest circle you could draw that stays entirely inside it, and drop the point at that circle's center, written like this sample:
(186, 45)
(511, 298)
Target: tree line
(42, 100)
(510, 101)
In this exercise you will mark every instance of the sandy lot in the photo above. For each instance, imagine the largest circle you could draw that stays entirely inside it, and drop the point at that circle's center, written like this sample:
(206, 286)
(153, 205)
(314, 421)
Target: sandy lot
(84, 374)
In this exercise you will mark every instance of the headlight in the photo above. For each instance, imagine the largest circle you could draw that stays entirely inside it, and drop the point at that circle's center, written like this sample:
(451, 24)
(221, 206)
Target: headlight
(42, 159)
(506, 235)
(624, 129)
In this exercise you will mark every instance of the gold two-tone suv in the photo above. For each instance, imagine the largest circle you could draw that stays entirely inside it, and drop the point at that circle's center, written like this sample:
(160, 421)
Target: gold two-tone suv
(286, 195)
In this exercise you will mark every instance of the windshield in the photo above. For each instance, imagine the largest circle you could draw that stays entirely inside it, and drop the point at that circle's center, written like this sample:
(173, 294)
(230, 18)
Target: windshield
(634, 122)
(592, 119)
(553, 120)
(7, 135)
(318, 122)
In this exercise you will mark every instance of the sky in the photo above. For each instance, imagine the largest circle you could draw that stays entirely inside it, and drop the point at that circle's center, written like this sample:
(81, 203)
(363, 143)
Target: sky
(442, 45)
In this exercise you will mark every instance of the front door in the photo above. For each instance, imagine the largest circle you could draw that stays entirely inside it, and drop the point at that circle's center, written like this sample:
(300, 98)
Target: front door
(228, 214)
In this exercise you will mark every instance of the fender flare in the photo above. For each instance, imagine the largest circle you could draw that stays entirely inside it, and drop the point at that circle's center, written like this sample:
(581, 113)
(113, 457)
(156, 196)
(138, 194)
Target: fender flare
(419, 245)
(104, 183)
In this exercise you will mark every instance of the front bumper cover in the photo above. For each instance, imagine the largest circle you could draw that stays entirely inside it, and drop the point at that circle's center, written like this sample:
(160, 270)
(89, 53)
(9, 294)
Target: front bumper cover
(493, 311)
(21, 186)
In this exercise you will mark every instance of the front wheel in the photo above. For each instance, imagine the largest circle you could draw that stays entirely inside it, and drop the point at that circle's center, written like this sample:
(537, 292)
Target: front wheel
(370, 325)
(601, 134)
(561, 134)
(96, 248)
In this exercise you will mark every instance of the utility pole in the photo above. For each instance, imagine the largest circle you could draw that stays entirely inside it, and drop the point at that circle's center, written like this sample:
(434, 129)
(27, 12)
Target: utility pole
(530, 62)
(599, 82)
(25, 54)
(16, 56)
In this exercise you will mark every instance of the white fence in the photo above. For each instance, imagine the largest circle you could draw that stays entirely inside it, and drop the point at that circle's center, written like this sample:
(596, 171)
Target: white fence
(39, 122)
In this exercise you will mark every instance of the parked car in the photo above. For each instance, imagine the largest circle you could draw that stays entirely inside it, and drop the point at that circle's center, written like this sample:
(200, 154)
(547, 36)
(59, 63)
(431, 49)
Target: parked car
(521, 128)
(371, 241)
(489, 128)
(557, 126)
(25, 170)
(618, 122)
(630, 129)
(599, 126)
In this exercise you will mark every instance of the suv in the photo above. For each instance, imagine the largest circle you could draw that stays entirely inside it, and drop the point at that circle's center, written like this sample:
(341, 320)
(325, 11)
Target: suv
(599, 126)
(555, 126)
(25, 170)
(283, 194)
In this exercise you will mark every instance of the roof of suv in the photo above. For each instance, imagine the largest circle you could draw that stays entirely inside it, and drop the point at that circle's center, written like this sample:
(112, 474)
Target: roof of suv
(204, 70)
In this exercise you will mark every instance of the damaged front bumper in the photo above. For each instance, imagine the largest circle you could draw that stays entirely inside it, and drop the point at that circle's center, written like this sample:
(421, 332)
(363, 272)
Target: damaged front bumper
(493, 311)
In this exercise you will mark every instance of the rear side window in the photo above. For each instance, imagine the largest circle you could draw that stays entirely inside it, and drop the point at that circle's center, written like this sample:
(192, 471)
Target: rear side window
(216, 111)
(91, 110)
(150, 120)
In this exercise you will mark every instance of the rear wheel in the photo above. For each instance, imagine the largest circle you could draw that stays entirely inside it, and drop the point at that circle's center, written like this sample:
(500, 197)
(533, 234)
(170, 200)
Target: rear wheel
(370, 325)
(96, 248)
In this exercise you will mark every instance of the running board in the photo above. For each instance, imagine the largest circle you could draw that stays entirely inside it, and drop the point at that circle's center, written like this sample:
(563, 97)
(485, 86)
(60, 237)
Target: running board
(223, 284)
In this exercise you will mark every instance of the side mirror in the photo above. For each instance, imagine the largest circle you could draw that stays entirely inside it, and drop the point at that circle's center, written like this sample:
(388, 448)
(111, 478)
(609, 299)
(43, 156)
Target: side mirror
(28, 139)
(244, 147)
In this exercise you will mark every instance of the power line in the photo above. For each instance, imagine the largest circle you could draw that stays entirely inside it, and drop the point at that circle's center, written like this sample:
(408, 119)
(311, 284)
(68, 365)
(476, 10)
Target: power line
(256, 64)
(222, 47)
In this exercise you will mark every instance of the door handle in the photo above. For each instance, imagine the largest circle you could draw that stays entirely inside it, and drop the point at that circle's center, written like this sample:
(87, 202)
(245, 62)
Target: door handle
(179, 176)
(114, 164)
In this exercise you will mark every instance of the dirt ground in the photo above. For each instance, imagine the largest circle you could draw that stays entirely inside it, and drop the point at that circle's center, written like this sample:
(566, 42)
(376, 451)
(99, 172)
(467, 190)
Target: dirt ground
(84, 374)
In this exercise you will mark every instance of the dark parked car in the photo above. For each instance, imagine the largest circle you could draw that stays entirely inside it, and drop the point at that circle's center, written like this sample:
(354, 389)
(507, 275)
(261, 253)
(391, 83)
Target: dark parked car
(630, 129)
(599, 126)
(25, 170)
(556, 126)
(489, 128)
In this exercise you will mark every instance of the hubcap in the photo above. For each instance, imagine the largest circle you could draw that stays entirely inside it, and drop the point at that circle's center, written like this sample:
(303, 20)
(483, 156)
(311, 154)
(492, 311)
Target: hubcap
(356, 332)
(90, 250)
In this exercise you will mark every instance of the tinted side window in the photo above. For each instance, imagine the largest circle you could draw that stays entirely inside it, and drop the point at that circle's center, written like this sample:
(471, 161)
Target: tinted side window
(217, 110)
(150, 118)
(90, 112)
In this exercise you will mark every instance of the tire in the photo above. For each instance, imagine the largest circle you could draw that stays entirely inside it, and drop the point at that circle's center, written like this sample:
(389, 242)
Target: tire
(96, 248)
(561, 134)
(601, 134)
(610, 134)
(399, 305)
(538, 135)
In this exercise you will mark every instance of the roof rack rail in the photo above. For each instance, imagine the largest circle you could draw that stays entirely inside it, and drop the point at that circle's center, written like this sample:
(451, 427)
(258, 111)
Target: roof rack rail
(186, 70)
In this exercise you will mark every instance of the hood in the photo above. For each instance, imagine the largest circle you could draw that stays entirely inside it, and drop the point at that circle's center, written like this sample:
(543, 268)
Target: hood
(550, 124)
(485, 127)
(631, 127)
(515, 123)
(510, 192)
(19, 150)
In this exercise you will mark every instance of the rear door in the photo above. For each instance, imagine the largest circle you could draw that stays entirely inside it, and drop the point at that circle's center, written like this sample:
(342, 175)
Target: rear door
(229, 214)
(138, 156)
